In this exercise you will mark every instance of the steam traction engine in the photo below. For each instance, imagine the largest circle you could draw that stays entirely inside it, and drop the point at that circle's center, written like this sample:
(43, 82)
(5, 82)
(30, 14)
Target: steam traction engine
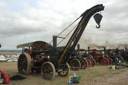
(47, 59)
(82, 59)
(101, 56)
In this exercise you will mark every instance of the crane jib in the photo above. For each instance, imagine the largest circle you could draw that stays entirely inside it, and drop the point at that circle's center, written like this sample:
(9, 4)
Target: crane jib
(67, 46)
(70, 46)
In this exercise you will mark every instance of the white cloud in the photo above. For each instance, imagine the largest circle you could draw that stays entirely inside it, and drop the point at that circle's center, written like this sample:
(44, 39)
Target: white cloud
(31, 22)
(2, 4)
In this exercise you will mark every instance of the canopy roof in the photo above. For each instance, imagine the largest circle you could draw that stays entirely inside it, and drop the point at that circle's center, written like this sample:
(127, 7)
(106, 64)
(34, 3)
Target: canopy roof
(35, 44)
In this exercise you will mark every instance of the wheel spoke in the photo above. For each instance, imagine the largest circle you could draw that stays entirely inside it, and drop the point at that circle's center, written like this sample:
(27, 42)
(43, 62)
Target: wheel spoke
(75, 64)
(48, 70)
(24, 62)
(64, 71)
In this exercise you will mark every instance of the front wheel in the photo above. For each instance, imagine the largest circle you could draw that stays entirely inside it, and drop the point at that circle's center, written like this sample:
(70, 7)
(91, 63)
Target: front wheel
(48, 70)
(64, 72)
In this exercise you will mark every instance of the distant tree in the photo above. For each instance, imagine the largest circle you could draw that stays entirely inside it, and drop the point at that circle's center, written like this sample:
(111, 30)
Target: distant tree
(0, 45)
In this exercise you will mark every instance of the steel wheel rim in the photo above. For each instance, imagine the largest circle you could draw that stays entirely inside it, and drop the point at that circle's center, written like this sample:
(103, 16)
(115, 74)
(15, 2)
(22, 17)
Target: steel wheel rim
(47, 71)
(84, 64)
(93, 62)
(89, 64)
(110, 61)
(65, 71)
(74, 64)
(22, 64)
(105, 62)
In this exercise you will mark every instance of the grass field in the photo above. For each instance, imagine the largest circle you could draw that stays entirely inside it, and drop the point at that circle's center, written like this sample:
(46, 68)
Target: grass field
(86, 75)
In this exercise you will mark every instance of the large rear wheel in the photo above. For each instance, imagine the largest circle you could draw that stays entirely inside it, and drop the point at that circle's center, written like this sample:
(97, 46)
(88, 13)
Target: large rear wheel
(24, 63)
(75, 64)
(93, 62)
(110, 60)
(89, 63)
(48, 70)
(84, 64)
(105, 61)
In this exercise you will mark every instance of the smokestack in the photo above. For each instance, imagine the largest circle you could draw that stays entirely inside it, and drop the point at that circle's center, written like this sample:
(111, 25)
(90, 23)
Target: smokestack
(104, 49)
(78, 48)
(88, 50)
(54, 41)
(117, 51)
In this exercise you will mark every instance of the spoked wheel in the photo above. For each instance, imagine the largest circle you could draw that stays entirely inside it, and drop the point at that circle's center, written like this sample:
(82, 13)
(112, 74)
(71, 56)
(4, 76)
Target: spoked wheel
(84, 64)
(93, 62)
(64, 72)
(110, 61)
(105, 61)
(48, 70)
(24, 63)
(75, 64)
(89, 63)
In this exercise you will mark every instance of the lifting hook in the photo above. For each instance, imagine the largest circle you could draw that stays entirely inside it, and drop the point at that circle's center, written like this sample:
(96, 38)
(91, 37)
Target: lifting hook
(98, 18)
(98, 26)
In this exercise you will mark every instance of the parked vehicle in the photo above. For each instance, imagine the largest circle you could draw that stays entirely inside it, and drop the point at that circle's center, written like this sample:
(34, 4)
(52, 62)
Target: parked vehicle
(47, 59)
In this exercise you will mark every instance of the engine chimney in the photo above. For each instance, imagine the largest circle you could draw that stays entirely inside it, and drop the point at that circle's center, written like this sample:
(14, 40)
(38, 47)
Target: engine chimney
(54, 41)
(117, 51)
(88, 50)
(104, 50)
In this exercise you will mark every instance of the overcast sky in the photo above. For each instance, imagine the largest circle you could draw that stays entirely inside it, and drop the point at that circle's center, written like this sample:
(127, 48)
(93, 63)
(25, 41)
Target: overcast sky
(23, 21)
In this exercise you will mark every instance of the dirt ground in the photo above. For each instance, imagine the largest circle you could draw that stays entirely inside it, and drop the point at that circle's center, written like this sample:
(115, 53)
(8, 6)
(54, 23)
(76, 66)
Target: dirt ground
(98, 75)
(115, 78)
